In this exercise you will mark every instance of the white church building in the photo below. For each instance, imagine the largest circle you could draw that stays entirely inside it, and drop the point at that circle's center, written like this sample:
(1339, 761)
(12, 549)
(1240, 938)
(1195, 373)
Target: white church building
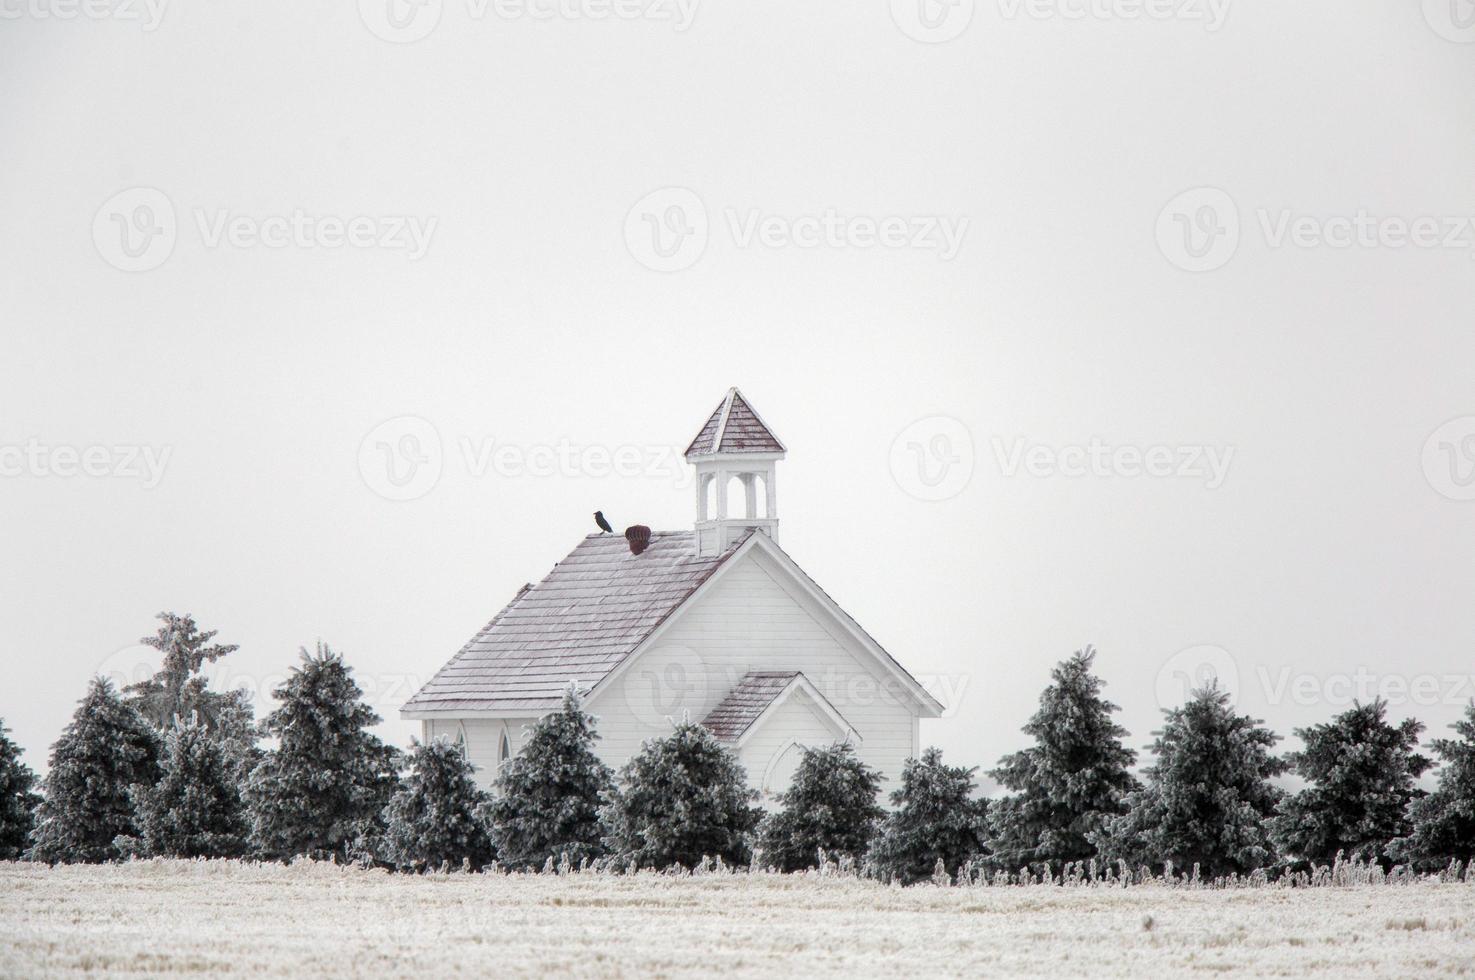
(715, 622)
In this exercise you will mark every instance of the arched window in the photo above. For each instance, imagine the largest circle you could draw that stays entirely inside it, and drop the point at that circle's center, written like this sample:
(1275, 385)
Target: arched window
(709, 497)
(782, 767)
(504, 748)
(461, 739)
(760, 496)
(737, 498)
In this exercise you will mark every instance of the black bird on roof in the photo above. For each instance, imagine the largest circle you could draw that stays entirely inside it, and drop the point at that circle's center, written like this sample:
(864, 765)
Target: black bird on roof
(603, 524)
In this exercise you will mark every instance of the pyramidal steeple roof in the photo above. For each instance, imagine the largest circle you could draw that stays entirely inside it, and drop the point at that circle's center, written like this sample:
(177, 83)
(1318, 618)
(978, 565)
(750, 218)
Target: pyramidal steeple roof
(734, 427)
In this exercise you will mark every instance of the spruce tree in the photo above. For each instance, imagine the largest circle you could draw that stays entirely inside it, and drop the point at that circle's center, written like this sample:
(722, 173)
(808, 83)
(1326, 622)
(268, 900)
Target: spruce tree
(830, 806)
(18, 801)
(179, 689)
(936, 819)
(682, 798)
(195, 809)
(548, 796)
(106, 749)
(1207, 795)
(434, 819)
(1361, 773)
(1443, 823)
(1069, 782)
(329, 779)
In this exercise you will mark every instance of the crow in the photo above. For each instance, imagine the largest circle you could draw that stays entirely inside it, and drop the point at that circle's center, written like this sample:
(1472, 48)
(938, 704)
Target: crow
(603, 524)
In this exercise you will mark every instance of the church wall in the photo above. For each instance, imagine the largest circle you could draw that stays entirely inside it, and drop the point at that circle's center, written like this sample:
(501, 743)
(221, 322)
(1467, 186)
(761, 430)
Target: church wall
(748, 621)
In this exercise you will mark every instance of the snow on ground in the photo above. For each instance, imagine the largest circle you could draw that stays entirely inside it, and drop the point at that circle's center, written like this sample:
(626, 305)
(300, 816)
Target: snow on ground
(152, 918)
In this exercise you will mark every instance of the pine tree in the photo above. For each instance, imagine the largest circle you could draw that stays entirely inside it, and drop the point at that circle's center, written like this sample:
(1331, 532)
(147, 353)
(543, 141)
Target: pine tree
(434, 819)
(329, 779)
(936, 819)
(1443, 822)
(1069, 782)
(548, 796)
(1207, 795)
(178, 689)
(1362, 773)
(830, 806)
(106, 749)
(682, 798)
(195, 809)
(18, 801)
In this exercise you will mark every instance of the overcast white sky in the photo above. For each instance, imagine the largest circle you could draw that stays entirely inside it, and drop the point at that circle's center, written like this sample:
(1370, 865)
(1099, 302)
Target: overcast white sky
(524, 151)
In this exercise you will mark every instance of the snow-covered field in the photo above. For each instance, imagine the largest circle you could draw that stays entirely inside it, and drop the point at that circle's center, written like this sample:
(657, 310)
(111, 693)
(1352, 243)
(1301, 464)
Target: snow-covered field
(156, 918)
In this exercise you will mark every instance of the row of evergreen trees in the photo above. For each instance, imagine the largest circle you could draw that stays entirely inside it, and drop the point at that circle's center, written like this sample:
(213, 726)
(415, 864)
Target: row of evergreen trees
(168, 768)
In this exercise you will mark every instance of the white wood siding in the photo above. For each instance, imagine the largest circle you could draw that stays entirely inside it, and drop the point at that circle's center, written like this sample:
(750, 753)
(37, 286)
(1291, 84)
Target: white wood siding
(483, 739)
(793, 722)
(748, 621)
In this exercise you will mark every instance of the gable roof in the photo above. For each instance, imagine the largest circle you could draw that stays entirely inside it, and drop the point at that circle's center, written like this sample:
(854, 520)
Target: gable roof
(594, 612)
(734, 427)
(759, 691)
(579, 623)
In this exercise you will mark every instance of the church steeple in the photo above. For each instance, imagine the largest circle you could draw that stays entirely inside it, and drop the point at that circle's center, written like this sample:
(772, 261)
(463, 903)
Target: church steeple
(734, 455)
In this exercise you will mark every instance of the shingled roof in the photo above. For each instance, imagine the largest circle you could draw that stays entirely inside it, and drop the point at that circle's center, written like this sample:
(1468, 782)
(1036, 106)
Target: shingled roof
(734, 427)
(578, 624)
(736, 714)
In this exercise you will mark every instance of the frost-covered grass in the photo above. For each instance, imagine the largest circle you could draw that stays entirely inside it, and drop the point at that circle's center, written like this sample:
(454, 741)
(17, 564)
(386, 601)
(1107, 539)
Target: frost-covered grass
(151, 918)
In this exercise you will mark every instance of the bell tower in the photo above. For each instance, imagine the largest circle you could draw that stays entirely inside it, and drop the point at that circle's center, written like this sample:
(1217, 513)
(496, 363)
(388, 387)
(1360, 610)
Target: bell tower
(735, 456)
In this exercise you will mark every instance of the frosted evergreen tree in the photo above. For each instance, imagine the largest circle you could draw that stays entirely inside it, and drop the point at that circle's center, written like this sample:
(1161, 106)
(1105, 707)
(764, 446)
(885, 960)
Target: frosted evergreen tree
(1443, 822)
(830, 806)
(18, 800)
(548, 796)
(195, 809)
(1069, 782)
(179, 688)
(1362, 774)
(1207, 794)
(328, 781)
(682, 798)
(107, 748)
(936, 819)
(433, 819)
